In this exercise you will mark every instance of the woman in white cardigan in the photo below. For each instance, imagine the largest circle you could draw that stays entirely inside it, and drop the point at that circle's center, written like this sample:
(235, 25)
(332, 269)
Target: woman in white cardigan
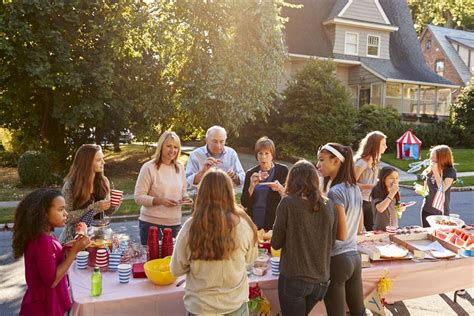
(161, 188)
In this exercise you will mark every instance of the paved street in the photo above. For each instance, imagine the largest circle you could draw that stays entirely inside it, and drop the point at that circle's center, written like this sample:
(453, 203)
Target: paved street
(12, 282)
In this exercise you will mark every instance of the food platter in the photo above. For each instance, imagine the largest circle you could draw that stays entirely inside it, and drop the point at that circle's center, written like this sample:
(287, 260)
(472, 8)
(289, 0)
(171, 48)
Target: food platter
(392, 251)
(444, 222)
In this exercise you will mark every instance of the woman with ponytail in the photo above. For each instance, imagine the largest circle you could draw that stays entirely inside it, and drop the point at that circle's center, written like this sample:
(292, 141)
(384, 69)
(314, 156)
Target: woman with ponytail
(335, 164)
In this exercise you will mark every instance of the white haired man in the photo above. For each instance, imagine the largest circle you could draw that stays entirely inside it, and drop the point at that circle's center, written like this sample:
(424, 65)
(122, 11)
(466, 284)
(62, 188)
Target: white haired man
(214, 154)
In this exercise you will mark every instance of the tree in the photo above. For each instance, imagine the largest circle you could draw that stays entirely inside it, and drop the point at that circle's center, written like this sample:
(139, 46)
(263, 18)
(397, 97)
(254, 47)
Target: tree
(316, 109)
(233, 54)
(449, 13)
(463, 113)
(67, 67)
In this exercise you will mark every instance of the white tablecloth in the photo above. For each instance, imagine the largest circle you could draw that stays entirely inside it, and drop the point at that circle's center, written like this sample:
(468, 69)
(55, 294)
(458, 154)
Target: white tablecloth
(140, 297)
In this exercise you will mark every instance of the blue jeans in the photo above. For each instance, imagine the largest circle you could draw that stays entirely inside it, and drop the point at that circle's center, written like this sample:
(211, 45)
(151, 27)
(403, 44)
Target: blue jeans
(242, 311)
(298, 297)
(144, 226)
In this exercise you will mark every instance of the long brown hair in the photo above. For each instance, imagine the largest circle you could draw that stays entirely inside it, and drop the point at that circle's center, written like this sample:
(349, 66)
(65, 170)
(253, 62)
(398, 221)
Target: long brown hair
(211, 235)
(346, 173)
(444, 156)
(380, 188)
(303, 181)
(31, 218)
(159, 148)
(370, 147)
(82, 179)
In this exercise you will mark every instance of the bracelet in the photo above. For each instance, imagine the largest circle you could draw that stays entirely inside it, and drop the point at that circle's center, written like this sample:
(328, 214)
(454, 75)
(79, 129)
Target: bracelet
(389, 198)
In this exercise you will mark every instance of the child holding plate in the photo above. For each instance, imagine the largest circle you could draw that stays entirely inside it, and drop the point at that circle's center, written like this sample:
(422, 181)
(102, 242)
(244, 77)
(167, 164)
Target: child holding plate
(386, 199)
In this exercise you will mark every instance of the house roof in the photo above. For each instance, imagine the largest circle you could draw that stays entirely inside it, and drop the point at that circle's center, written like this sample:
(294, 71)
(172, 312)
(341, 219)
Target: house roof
(443, 35)
(306, 35)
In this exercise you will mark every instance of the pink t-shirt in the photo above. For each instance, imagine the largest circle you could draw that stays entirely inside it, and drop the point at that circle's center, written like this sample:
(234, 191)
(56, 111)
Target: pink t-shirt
(42, 256)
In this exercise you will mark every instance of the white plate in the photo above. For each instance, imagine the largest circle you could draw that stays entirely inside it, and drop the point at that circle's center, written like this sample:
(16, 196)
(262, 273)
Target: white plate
(432, 220)
(266, 183)
(408, 204)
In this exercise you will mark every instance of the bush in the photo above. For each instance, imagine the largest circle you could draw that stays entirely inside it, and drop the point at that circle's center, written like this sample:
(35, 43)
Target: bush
(316, 109)
(463, 110)
(34, 168)
(8, 159)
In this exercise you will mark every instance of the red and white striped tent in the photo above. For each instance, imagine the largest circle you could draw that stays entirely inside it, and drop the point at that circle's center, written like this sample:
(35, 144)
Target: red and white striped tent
(408, 146)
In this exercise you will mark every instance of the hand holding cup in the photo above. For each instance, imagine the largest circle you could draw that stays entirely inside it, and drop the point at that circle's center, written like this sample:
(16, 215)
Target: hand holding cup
(104, 205)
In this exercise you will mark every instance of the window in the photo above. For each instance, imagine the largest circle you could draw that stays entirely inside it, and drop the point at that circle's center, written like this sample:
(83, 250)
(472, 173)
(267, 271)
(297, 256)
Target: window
(410, 98)
(444, 102)
(373, 45)
(428, 44)
(439, 67)
(393, 96)
(376, 92)
(351, 44)
(427, 100)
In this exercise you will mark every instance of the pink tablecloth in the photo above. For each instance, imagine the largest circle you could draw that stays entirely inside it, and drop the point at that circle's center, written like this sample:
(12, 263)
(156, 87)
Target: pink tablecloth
(140, 297)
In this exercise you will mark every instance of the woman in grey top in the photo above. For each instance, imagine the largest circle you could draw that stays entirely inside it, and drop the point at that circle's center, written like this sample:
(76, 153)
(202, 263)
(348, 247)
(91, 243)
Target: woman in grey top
(371, 148)
(337, 167)
(305, 229)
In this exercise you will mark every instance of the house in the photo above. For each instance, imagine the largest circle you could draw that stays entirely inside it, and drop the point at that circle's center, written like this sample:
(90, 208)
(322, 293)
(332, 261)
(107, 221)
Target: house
(450, 53)
(376, 51)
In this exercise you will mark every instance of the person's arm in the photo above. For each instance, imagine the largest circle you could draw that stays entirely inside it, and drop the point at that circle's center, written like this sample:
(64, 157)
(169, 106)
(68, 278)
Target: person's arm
(75, 215)
(239, 171)
(449, 177)
(385, 202)
(338, 199)
(280, 225)
(79, 244)
(143, 186)
(246, 198)
(252, 251)
(180, 260)
(192, 169)
(111, 209)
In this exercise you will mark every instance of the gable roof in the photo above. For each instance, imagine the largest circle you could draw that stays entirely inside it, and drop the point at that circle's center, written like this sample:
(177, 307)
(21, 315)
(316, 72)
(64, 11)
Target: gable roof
(306, 35)
(442, 36)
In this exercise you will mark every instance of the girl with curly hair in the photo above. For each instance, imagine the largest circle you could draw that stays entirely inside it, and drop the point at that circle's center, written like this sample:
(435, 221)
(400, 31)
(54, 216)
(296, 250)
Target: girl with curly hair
(45, 264)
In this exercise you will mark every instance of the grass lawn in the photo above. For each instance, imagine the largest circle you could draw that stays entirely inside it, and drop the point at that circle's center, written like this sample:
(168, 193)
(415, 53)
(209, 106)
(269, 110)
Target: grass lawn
(463, 157)
(462, 182)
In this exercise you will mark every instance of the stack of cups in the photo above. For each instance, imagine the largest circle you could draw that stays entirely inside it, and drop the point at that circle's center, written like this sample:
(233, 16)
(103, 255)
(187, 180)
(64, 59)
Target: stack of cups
(101, 259)
(123, 245)
(81, 259)
(115, 197)
(167, 246)
(153, 246)
(275, 262)
(124, 270)
(114, 260)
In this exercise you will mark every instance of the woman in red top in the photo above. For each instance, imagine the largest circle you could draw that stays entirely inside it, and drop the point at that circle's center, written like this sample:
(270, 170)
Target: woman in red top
(45, 265)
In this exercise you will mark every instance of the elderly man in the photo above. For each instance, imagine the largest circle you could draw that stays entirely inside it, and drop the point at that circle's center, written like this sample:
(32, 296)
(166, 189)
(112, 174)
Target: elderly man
(214, 154)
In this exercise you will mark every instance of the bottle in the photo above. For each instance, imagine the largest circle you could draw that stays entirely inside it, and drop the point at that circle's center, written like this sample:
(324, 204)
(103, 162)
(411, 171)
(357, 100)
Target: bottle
(96, 286)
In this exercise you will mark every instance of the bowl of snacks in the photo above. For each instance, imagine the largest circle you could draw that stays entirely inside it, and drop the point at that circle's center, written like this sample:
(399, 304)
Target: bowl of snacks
(444, 222)
(158, 271)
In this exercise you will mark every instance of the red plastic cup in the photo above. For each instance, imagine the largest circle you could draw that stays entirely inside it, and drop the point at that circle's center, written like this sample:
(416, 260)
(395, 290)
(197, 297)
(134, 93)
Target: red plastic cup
(115, 197)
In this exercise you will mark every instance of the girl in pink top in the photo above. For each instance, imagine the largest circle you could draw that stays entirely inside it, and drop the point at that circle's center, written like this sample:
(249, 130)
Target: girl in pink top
(45, 265)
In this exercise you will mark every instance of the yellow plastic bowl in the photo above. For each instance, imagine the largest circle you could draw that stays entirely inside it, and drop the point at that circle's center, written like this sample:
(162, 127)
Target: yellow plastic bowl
(276, 253)
(158, 271)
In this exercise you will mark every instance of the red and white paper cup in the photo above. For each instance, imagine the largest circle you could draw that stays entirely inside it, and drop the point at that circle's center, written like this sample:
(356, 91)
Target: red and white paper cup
(115, 197)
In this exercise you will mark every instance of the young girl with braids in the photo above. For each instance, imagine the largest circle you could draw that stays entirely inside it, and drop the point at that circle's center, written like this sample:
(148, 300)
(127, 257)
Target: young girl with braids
(213, 248)
(86, 190)
(367, 165)
(45, 263)
(335, 164)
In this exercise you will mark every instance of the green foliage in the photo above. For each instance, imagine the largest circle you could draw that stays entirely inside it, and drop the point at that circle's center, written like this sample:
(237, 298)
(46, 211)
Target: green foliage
(376, 118)
(34, 169)
(80, 71)
(463, 110)
(317, 109)
(449, 13)
(8, 159)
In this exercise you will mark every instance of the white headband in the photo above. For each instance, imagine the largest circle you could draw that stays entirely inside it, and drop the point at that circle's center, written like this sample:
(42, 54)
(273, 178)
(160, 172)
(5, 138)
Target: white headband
(334, 151)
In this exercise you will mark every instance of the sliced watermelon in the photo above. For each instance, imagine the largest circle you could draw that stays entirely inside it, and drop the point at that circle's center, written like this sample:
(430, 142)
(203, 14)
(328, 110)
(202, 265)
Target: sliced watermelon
(452, 237)
(460, 242)
(440, 234)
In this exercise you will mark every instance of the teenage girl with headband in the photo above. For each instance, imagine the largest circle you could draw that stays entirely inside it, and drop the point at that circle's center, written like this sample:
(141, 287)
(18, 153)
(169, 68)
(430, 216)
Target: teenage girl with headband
(335, 164)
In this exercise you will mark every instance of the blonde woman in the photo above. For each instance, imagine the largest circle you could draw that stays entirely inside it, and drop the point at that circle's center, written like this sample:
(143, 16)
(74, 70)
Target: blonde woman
(161, 188)
(213, 248)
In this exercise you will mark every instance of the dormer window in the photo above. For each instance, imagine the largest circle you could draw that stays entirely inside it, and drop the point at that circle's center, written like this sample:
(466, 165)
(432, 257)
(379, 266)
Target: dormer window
(373, 46)
(428, 44)
(351, 43)
(439, 67)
